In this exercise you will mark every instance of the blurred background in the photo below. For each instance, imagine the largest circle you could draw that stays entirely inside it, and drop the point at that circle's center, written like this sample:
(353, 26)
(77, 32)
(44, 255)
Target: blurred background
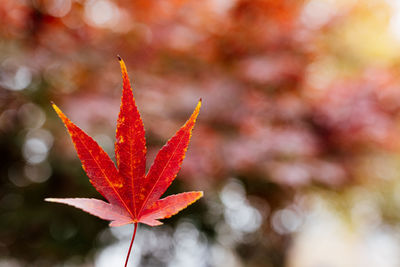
(297, 146)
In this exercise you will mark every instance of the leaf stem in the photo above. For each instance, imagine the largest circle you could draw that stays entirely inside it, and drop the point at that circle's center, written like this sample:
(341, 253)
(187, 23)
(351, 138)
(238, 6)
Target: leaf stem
(130, 246)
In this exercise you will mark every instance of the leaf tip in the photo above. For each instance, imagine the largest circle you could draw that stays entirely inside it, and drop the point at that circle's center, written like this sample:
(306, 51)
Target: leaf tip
(62, 116)
(58, 111)
(123, 66)
(198, 106)
(56, 108)
(196, 111)
(123, 69)
(199, 194)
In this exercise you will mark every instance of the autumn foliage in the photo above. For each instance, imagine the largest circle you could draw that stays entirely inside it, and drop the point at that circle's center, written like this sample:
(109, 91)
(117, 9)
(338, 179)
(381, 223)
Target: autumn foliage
(300, 112)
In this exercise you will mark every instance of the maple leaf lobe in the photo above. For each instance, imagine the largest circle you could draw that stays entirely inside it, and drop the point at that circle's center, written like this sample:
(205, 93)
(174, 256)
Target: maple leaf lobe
(97, 208)
(168, 162)
(97, 164)
(130, 147)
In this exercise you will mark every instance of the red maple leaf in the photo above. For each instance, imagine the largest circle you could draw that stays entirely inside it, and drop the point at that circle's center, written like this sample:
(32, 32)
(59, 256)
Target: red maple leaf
(133, 196)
